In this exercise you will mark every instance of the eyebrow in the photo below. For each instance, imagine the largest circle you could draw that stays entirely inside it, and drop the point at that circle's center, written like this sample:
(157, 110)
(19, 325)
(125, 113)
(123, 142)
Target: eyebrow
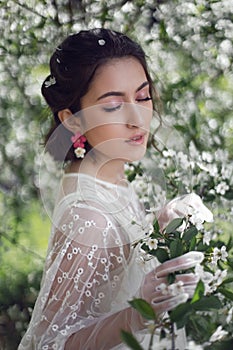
(118, 93)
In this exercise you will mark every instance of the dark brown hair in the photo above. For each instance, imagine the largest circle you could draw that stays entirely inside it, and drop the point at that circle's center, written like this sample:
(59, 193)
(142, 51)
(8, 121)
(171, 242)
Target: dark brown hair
(73, 66)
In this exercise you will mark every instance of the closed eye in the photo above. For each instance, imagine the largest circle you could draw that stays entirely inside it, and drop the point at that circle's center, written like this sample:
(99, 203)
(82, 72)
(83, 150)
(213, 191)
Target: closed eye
(112, 109)
(118, 106)
(144, 99)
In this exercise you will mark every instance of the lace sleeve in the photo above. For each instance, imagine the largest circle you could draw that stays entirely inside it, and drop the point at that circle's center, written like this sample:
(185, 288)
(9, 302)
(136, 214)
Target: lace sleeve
(88, 280)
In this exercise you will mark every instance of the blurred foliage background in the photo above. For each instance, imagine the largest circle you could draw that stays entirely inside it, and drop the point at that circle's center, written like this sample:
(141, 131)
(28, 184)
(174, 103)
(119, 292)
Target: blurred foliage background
(190, 50)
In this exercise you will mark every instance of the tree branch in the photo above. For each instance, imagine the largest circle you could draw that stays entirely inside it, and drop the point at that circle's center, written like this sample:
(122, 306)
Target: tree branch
(20, 246)
(32, 10)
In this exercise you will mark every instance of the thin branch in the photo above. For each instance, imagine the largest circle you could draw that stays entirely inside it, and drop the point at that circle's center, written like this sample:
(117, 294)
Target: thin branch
(32, 10)
(116, 5)
(56, 18)
(20, 246)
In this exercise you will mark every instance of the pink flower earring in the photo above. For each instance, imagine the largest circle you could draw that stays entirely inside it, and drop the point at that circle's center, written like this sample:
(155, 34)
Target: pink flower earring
(78, 141)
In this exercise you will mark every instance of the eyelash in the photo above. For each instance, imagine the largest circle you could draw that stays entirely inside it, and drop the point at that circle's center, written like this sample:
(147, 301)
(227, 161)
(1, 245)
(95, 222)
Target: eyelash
(144, 99)
(113, 109)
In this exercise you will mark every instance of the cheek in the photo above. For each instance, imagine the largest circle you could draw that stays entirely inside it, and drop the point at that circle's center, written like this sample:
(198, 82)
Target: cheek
(101, 134)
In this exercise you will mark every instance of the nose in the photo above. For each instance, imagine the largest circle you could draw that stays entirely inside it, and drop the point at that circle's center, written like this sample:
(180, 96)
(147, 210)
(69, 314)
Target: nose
(135, 118)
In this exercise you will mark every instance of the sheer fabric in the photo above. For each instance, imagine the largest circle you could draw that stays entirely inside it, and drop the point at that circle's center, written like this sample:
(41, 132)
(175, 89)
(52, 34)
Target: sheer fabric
(92, 269)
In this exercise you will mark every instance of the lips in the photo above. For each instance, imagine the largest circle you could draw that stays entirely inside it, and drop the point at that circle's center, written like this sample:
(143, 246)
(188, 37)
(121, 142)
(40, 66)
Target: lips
(137, 139)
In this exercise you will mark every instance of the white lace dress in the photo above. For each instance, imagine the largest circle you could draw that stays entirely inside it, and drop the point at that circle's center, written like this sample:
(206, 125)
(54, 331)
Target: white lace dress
(92, 270)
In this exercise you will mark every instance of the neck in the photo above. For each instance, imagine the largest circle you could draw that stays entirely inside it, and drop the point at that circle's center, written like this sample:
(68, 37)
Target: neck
(111, 171)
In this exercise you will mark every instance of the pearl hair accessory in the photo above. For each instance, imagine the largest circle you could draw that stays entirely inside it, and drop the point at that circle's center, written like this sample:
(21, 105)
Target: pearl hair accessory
(101, 42)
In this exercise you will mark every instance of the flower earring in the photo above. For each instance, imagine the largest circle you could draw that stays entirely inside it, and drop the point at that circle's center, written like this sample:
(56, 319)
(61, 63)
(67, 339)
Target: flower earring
(78, 141)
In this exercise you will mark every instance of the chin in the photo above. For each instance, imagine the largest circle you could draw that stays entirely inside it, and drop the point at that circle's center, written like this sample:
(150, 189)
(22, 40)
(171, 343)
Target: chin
(134, 158)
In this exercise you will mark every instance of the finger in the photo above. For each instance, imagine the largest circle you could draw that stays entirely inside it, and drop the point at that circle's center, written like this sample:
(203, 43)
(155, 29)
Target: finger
(162, 295)
(189, 290)
(194, 201)
(188, 279)
(169, 304)
(183, 262)
(165, 293)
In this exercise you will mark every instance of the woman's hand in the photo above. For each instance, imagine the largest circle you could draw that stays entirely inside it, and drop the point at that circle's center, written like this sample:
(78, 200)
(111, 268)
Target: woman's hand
(163, 296)
(190, 204)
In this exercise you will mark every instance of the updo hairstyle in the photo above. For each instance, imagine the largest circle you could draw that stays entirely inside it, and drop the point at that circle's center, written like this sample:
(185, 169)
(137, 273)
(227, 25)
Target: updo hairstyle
(73, 66)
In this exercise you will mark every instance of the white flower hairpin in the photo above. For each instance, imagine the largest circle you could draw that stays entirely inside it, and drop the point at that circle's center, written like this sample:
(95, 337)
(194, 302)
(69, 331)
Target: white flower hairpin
(50, 82)
(101, 42)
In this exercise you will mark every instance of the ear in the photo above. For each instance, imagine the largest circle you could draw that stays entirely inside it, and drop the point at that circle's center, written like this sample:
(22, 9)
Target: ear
(69, 121)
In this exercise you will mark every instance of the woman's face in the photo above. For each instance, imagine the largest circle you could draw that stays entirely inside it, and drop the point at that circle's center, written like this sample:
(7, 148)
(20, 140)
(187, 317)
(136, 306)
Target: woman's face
(117, 110)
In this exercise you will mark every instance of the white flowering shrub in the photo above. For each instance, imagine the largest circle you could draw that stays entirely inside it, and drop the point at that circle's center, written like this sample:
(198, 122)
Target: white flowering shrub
(207, 317)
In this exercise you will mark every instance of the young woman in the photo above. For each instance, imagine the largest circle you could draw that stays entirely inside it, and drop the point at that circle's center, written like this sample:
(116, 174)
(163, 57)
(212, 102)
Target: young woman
(102, 98)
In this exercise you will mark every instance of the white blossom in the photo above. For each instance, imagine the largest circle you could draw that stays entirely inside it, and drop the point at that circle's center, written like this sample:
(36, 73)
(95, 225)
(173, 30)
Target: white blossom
(207, 237)
(171, 289)
(169, 153)
(218, 334)
(224, 253)
(222, 187)
(226, 172)
(219, 254)
(207, 157)
(207, 278)
(219, 276)
(229, 315)
(163, 288)
(176, 288)
(215, 256)
(183, 160)
(197, 220)
(193, 346)
(152, 243)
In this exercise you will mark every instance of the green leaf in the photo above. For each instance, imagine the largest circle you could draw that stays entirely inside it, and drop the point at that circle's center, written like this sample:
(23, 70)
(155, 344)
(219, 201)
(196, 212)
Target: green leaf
(226, 292)
(229, 194)
(201, 326)
(144, 308)
(131, 176)
(229, 244)
(222, 345)
(176, 234)
(181, 128)
(199, 292)
(180, 314)
(161, 254)
(227, 280)
(156, 226)
(174, 224)
(193, 244)
(171, 278)
(230, 262)
(163, 334)
(190, 233)
(206, 303)
(129, 340)
(176, 248)
(145, 247)
(193, 123)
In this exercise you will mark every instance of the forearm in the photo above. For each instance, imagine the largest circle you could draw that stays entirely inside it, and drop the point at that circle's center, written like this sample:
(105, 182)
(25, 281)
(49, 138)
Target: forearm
(105, 334)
